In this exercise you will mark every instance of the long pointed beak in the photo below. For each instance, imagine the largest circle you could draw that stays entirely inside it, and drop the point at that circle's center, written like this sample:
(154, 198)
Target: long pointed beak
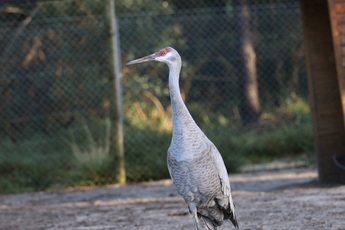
(150, 57)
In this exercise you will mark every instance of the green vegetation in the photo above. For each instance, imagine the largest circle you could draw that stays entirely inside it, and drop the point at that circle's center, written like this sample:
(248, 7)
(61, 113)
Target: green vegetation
(80, 158)
(35, 164)
(92, 158)
(55, 89)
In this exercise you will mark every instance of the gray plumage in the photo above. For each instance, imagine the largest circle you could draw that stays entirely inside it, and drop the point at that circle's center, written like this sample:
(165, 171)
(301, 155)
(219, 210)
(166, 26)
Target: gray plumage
(195, 164)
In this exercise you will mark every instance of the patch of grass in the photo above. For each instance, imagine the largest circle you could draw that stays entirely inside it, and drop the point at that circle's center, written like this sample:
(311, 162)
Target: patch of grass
(44, 161)
(146, 154)
(283, 132)
(32, 165)
(286, 140)
(92, 158)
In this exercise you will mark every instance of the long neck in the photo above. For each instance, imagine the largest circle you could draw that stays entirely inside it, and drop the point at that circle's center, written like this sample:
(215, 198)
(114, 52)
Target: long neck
(182, 119)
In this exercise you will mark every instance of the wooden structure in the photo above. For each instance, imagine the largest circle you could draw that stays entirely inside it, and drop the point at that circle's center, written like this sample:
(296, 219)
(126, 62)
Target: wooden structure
(324, 40)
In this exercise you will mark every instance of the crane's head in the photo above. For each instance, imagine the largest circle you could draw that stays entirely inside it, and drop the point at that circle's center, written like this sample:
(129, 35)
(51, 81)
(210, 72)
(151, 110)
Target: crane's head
(167, 55)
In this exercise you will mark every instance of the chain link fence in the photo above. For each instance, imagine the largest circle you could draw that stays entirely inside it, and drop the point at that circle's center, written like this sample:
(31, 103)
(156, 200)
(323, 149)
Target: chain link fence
(243, 80)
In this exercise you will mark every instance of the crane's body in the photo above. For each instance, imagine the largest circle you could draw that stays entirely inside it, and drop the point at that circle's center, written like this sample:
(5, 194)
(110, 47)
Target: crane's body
(195, 165)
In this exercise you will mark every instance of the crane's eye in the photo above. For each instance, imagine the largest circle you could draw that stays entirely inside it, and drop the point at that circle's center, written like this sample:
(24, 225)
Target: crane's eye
(163, 52)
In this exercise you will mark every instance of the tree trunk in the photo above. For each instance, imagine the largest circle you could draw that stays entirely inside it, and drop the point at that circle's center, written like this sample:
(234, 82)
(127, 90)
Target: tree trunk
(293, 84)
(247, 75)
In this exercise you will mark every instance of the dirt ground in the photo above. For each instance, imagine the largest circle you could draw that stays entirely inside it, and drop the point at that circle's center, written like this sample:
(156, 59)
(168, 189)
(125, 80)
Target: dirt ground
(285, 199)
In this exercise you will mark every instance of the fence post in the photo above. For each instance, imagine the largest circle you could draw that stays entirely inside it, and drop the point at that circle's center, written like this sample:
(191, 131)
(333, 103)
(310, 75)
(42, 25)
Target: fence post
(116, 111)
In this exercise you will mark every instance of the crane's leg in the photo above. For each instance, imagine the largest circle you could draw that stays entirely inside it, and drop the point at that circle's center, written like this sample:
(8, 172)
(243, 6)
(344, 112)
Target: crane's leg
(193, 210)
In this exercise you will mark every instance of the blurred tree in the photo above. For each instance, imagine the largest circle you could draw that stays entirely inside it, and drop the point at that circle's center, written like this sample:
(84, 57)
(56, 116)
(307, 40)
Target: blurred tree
(48, 66)
(62, 49)
(249, 106)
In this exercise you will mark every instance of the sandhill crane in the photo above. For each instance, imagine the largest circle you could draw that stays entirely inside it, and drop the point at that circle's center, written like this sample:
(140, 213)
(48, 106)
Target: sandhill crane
(195, 165)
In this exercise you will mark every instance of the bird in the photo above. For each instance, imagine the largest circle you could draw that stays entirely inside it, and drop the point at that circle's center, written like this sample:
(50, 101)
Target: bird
(195, 165)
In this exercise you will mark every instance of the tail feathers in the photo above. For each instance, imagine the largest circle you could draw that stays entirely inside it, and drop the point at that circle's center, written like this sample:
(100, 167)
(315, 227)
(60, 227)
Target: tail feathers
(212, 225)
(208, 223)
(233, 219)
(231, 215)
(213, 216)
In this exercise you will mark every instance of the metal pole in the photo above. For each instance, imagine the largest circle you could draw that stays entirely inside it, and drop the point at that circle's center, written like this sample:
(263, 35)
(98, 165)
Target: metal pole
(116, 111)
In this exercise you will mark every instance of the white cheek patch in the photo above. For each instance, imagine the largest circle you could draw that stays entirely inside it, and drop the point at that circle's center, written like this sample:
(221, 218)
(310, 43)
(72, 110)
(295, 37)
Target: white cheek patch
(172, 58)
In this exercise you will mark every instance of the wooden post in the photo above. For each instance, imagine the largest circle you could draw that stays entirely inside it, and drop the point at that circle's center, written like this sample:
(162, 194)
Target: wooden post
(337, 17)
(116, 111)
(324, 94)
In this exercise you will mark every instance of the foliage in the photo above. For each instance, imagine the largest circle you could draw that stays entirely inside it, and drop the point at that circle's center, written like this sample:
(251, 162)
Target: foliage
(145, 147)
(146, 153)
(38, 163)
(55, 80)
(92, 159)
